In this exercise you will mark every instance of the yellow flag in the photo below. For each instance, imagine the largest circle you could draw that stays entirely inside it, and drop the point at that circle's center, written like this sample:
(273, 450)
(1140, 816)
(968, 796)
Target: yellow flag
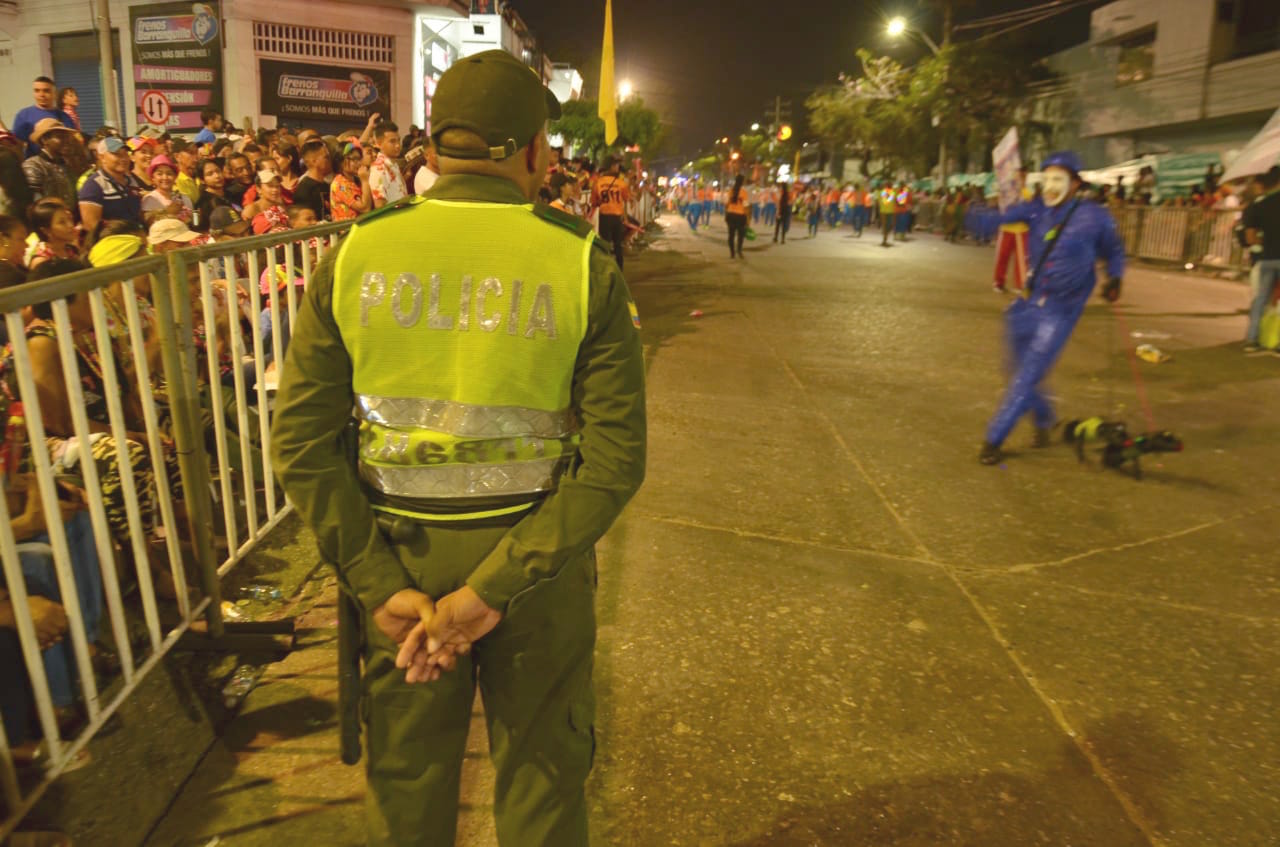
(608, 93)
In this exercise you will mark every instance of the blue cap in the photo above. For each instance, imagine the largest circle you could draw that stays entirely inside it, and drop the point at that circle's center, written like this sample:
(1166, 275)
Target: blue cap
(1064, 159)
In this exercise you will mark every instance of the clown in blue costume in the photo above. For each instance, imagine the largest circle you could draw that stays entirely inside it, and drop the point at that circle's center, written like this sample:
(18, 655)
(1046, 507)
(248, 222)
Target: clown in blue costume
(1039, 326)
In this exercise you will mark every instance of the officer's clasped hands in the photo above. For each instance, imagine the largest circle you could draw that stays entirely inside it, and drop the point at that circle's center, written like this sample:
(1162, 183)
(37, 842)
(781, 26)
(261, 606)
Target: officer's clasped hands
(444, 632)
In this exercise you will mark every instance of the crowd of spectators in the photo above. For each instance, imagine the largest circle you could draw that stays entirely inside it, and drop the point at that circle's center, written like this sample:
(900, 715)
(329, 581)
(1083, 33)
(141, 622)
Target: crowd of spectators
(71, 200)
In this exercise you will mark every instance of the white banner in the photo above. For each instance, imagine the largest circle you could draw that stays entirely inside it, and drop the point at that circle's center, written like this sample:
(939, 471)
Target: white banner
(1008, 161)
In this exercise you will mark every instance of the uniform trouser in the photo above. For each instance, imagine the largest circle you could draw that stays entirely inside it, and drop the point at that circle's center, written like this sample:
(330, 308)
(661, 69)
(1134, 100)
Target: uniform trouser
(886, 224)
(755, 213)
(534, 673)
(707, 208)
(833, 214)
(770, 212)
(613, 231)
(1011, 247)
(859, 219)
(782, 226)
(692, 213)
(1035, 336)
(902, 223)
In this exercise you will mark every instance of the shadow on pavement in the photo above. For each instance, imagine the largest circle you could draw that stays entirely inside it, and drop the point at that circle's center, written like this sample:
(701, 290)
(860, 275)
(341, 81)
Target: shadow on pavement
(990, 809)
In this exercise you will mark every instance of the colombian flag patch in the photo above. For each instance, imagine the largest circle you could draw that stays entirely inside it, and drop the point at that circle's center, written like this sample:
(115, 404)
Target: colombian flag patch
(635, 314)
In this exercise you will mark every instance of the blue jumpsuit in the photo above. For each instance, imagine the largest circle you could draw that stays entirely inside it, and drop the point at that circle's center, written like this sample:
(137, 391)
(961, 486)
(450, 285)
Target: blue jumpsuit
(1038, 327)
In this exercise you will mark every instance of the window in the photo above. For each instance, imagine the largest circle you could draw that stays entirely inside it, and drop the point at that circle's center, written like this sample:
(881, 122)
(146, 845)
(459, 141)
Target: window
(1257, 28)
(1137, 59)
(332, 45)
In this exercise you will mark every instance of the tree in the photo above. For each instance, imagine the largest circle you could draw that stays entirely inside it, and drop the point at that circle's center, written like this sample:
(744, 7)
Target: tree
(969, 91)
(638, 125)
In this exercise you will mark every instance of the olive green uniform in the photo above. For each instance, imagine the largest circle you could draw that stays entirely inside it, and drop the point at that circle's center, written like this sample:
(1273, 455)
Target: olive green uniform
(536, 567)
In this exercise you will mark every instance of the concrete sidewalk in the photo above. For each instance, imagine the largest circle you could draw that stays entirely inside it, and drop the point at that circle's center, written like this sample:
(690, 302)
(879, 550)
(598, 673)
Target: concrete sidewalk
(822, 622)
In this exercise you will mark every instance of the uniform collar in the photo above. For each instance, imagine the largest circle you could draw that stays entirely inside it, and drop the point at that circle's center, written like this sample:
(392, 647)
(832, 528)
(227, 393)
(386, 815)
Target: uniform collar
(489, 189)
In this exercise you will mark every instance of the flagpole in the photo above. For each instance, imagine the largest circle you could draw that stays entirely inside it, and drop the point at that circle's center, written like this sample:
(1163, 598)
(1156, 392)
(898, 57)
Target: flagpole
(608, 102)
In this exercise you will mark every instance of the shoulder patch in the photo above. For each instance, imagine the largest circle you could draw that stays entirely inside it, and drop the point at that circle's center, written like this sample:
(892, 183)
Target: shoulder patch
(402, 203)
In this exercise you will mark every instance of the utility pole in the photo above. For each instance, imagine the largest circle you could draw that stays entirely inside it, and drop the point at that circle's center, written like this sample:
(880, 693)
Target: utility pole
(942, 129)
(110, 105)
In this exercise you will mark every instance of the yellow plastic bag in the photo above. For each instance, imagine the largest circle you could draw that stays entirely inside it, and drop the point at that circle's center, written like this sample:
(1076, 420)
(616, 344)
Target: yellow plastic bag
(1269, 329)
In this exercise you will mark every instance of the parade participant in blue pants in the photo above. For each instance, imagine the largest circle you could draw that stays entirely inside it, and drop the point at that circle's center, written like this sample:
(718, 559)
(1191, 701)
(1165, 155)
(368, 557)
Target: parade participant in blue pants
(1069, 234)
(692, 212)
(770, 205)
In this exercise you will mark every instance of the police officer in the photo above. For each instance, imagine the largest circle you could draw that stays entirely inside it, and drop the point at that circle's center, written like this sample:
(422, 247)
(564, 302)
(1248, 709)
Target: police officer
(489, 349)
(1069, 234)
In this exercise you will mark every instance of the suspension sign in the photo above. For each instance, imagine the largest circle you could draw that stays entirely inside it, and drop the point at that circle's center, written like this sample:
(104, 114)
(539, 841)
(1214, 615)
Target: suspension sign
(155, 107)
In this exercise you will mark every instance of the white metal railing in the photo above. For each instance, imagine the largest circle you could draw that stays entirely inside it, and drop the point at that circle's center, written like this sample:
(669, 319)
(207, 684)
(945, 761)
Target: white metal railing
(1181, 234)
(139, 529)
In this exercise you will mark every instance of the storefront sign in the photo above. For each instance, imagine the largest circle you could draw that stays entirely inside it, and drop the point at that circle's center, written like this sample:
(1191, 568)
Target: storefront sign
(177, 51)
(323, 96)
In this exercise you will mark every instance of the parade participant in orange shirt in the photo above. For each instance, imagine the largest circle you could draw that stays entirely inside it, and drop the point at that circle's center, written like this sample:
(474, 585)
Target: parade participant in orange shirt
(833, 206)
(735, 215)
(770, 205)
(860, 208)
(902, 213)
(610, 194)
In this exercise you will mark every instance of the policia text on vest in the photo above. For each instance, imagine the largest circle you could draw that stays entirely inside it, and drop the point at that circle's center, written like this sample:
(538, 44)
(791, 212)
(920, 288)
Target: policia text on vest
(407, 294)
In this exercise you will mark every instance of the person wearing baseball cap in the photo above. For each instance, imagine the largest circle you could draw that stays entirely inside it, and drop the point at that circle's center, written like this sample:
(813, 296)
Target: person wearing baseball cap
(46, 172)
(141, 152)
(111, 192)
(463, 527)
(1077, 233)
(170, 234)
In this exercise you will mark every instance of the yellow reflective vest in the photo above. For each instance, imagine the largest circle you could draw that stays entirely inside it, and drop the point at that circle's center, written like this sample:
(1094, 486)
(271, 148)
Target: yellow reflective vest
(463, 322)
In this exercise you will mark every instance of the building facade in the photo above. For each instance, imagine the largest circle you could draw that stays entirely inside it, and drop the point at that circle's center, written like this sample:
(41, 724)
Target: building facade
(1166, 76)
(326, 64)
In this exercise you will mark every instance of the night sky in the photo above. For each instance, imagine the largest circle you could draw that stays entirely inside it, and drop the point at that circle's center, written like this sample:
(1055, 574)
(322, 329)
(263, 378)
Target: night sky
(712, 67)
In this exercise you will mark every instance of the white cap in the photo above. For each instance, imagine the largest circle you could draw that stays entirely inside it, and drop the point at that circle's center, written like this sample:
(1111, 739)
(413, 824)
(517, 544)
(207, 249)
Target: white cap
(170, 229)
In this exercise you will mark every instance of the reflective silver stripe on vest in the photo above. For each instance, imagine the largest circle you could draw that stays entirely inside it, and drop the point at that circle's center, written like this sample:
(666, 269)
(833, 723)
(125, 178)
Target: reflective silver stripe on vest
(463, 419)
(448, 482)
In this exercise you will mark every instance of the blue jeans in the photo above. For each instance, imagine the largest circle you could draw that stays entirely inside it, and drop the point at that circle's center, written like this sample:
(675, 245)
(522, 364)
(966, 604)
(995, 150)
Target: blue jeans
(1268, 271)
(42, 580)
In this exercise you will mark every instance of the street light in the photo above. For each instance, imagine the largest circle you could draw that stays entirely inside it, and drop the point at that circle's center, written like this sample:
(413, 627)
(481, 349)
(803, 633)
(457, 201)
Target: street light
(898, 26)
(755, 127)
(625, 90)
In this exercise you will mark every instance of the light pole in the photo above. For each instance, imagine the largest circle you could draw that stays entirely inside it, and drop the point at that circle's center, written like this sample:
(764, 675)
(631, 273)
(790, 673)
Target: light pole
(625, 90)
(898, 26)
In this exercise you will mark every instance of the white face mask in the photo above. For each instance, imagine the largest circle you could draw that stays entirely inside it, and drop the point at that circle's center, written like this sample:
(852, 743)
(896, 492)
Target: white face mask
(1057, 183)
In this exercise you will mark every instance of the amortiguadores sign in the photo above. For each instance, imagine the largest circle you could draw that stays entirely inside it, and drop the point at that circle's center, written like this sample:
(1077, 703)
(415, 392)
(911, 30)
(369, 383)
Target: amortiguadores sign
(322, 95)
(177, 51)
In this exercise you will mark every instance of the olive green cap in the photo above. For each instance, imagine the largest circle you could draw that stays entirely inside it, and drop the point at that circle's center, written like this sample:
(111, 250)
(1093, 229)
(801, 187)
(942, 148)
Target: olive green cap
(496, 96)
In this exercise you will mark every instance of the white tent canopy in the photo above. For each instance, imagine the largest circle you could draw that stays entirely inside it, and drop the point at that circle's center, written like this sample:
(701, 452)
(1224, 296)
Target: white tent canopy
(1259, 154)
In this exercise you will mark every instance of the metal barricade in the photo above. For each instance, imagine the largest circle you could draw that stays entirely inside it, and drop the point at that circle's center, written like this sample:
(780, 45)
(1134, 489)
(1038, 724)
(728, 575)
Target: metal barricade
(178, 351)
(1182, 234)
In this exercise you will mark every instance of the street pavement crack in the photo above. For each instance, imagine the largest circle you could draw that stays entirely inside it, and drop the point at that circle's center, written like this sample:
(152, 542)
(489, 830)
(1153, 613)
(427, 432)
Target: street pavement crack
(1129, 545)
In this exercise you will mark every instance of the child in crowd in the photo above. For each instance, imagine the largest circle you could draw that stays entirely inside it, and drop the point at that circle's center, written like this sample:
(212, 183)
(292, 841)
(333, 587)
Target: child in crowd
(350, 194)
(165, 201)
(56, 228)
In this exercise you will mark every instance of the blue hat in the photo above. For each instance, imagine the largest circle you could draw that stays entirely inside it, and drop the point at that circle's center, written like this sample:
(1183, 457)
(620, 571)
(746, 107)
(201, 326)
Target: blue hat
(1064, 159)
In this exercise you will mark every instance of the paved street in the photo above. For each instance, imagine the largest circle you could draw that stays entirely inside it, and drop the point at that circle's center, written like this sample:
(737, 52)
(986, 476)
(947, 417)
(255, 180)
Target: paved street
(822, 622)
